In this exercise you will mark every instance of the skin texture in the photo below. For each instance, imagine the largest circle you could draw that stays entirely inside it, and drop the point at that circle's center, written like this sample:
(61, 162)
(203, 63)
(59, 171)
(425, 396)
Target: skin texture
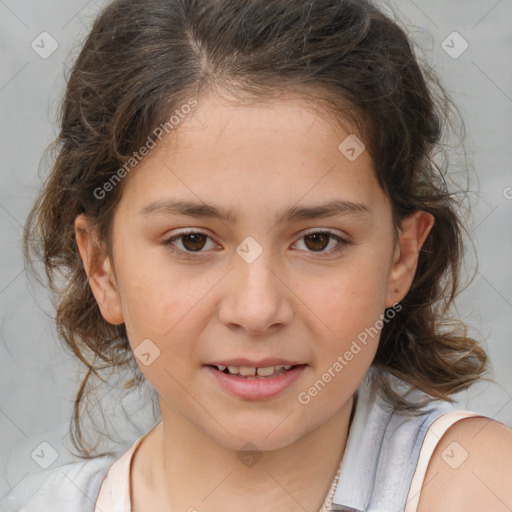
(480, 471)
(290, 302)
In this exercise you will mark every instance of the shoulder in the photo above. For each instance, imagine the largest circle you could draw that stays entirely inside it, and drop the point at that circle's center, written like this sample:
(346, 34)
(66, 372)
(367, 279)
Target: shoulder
(470, 469)
(72, 487)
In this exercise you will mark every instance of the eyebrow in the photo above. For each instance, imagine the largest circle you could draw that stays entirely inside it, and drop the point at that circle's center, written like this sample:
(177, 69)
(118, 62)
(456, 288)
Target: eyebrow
(204, 210)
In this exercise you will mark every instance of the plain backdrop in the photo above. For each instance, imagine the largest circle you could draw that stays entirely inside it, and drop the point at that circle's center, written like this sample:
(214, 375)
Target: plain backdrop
(38, 380)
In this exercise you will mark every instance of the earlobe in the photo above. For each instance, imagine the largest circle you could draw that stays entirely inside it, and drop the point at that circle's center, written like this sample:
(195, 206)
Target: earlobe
(413, 234)
(99, 271)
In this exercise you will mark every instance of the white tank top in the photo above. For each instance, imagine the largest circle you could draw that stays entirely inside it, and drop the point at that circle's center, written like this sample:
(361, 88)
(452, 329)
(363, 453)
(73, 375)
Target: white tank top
(382, 469)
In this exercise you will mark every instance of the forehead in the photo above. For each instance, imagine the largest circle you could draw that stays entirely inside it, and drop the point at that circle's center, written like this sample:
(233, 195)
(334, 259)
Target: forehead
(264, 153)
(270, 122)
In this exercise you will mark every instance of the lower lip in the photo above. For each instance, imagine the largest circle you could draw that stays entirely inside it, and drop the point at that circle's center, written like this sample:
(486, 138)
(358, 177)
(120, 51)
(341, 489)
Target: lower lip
(256, 388)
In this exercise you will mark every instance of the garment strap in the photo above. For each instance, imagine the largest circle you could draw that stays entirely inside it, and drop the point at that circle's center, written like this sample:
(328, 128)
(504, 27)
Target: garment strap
(114, 493)
(434, 434)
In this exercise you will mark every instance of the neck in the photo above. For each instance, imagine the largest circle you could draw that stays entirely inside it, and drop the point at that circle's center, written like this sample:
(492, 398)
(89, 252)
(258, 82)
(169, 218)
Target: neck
(201, 474)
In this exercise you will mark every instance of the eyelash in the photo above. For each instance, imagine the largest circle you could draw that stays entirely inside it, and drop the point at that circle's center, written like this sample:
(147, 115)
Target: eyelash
(169, 244)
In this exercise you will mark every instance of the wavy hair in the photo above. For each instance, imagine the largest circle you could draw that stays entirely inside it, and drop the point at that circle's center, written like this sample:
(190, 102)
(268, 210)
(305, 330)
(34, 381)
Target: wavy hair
(143, 60)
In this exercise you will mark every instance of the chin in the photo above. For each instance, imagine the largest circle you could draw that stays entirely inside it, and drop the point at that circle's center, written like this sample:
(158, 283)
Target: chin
(264, 434)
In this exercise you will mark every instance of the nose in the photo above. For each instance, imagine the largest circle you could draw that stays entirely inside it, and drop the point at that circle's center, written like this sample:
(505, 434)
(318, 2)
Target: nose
(256, 298)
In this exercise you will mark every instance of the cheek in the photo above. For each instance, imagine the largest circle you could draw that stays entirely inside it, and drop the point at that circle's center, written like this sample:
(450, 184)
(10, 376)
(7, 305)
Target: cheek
(155, 291)
(169, 306)
(352, 297)
(161, 320)
(350, 307)
(155, 301)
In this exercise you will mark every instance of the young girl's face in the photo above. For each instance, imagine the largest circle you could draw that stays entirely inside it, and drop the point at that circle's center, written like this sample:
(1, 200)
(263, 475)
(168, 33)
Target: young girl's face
(255, 287)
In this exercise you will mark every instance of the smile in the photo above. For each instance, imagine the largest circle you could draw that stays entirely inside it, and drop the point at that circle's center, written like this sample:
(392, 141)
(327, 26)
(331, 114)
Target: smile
(255, 382)
(248, 371)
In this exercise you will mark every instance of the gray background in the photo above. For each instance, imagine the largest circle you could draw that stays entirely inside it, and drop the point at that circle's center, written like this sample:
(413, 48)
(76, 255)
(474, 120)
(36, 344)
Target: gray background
(38, 380)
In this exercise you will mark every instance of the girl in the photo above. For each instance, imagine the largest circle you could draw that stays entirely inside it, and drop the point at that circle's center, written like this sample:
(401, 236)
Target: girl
(247, 212)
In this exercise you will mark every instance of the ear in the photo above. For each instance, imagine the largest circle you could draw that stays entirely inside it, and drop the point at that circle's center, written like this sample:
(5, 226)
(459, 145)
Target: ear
(99, 271)
(415, 229)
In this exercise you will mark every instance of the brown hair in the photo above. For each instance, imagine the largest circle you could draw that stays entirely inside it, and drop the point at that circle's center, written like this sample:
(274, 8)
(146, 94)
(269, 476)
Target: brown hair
(143, 60)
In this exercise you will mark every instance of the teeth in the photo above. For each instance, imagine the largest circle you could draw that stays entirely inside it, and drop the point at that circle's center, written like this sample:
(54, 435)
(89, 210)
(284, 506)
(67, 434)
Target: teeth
(246, 371)
(265, 372)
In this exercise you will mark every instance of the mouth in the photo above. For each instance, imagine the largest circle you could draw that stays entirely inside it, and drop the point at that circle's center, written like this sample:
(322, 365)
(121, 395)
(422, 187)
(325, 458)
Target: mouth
(263, 380)
(254, 372)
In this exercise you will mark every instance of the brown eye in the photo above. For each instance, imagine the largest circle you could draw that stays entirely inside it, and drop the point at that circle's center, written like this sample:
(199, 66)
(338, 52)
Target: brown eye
(193, 241)
(185, 244)
(318, 241)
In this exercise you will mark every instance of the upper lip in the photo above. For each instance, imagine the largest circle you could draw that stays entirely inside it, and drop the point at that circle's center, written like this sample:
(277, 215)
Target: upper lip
(262, 363)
